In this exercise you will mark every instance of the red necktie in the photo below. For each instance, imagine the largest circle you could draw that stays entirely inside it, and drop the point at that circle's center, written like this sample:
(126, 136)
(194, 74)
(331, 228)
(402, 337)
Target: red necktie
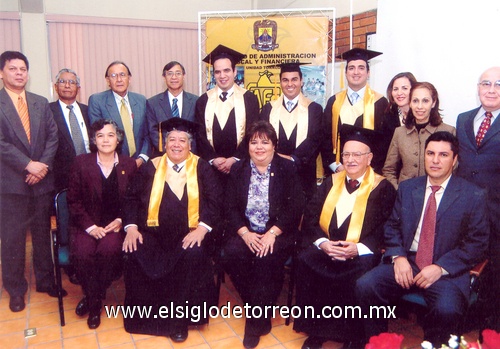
(426, 242)
(485, 125)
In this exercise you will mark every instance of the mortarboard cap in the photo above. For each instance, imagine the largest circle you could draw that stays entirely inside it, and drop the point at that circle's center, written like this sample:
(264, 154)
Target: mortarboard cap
(358, 53)
(366, 136)
(288, 67)
(178, 124)
(222, 51)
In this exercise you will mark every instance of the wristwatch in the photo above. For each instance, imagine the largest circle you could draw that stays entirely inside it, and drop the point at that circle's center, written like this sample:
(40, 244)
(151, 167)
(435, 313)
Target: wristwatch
(273, 232)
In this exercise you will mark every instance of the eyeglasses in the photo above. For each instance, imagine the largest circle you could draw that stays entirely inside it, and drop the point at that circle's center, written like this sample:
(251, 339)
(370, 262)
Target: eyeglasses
(486, 85)
(356, 155)
(64, 82)
(172, 73)
(116, 75)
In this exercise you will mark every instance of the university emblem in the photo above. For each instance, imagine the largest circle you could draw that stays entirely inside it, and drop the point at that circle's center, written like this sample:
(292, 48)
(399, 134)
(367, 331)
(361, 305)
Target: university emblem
(265, 33)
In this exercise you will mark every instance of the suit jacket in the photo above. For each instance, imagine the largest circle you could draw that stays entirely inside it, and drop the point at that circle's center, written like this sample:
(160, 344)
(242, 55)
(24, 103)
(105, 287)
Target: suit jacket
(158, 109)
(17, 152)
(285, 197)
(385, 139)
(306, 153)
(103, 106)
(66, 149)
(405, 158)
(85, 189)
(462, 228)
(481, 165)
(204, 147)
(378, 209)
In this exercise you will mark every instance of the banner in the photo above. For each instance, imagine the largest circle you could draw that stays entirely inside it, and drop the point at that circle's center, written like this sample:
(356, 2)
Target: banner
(271, 41)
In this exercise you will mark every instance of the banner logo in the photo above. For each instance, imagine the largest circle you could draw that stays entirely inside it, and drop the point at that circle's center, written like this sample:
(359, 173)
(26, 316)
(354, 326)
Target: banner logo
(265, 33)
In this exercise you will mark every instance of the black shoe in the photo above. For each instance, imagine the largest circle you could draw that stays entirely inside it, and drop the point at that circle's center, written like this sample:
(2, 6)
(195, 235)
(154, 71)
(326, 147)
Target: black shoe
(179, 336)
(94, 320)
(83, 307)
(354, 345)
(313, 342)
(16, 303)
(250, 342)
(52, 291)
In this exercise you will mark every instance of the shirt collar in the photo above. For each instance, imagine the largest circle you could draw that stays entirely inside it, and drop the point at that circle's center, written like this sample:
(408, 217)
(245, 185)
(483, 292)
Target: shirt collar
(115, 162)
(294, 101)
(118, 98)
(170, 163)
(361, 92)
(171, 96)
(443, 185)
(229, 92)
(360, 179)
(494, 113)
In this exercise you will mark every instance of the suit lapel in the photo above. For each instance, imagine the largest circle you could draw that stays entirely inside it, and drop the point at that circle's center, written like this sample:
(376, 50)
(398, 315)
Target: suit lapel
(492, 131)
(10, 112)
(122, 175)
(61, 123)
(469, 127)
(165, 105)
(112, 109)
(418, 195)
(95, 174)
(451, 194)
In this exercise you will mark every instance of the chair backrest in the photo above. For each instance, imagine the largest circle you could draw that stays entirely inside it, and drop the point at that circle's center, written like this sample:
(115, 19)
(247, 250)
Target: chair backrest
(62, 218)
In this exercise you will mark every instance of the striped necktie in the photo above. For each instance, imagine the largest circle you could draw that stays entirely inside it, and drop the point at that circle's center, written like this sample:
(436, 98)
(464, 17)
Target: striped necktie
(175, 108)
(24, 116)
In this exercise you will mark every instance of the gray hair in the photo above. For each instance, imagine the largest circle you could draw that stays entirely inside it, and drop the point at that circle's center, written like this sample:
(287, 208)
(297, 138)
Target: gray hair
(71, 71)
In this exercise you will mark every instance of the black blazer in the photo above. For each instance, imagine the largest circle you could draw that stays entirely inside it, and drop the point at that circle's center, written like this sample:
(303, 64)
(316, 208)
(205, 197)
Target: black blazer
(66, 150)
(286, 198)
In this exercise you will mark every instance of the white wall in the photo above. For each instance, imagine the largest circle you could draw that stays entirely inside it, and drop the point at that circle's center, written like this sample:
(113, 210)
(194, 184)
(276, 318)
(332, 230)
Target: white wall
(447, 42)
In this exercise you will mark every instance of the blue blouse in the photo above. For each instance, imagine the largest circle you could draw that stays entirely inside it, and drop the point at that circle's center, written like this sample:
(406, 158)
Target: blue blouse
(257, 210)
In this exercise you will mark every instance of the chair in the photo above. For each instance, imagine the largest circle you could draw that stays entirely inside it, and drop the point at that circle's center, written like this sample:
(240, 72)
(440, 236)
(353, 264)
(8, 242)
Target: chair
(60, 245)
(417, 298)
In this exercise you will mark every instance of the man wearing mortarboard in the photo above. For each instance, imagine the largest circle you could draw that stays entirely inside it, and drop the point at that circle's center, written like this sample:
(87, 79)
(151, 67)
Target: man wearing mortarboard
(225, 111)
(171, 206)
(342, 233)
(358, 105)
(298, 123)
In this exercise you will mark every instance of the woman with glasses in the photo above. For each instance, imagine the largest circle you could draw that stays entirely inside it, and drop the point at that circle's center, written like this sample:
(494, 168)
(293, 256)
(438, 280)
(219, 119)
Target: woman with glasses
(405, 158)
(96, 189)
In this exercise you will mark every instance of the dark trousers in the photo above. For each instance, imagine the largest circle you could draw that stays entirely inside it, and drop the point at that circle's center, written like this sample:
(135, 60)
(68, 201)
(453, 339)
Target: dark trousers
(18, 213)
(258, 280)
(97, 261)
(446, 303)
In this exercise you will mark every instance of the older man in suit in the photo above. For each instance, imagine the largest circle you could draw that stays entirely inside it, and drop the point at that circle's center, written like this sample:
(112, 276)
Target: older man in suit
(28, 144)
(437, 232)
(127, 109)
(73, 125)
(478, 131)
(173, 102)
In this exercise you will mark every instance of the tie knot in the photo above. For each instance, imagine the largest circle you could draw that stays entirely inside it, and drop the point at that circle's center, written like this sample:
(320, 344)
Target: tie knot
(123, 102)
(70, 107)
(435, 188)
(354, 97)
(176, 168)
(353, 183)
(223, 96)
(488, 114)
(174, 100)
(289, 105)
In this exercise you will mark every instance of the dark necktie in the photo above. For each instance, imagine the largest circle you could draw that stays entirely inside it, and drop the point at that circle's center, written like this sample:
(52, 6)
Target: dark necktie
(352, 185)
(485, 125)
(425, 248)
(76, 132)
(223, 96)
(176, 168)
(175, 108)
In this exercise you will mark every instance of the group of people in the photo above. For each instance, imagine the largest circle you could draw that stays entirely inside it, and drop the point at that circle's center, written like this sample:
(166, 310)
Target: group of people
(157, 187)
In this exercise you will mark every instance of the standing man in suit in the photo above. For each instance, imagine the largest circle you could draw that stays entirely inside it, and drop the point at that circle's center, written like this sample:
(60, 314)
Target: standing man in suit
(173, 102)
(73, 125)
(298, 122)
(358, 105)
(479, 162)
(225, 111)
(429, 251)
(28, 144)
(127, 109)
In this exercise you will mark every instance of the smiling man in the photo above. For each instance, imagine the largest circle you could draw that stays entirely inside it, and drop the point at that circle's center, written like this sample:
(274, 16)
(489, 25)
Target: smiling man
(343, 233)
(437, 232)
(225, 112)
(358, 105)
(172, 204)
(173, 102)
(127, 109)
(298, 123)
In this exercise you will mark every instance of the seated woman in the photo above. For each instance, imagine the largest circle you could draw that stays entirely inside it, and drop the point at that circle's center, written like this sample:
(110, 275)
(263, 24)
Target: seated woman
(405, 158)
(172, 204)
(96, 189)
(264, 211)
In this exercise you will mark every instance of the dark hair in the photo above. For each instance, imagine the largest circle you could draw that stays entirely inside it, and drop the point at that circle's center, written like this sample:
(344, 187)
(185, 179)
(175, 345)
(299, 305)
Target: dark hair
(261, 129)
(361, 59)
(99, 125)
(444, 136)
(170, 65)
(298, 71)
(435, 118)
(116, 63)
(10, 55)
(225, 55)
(407, 75)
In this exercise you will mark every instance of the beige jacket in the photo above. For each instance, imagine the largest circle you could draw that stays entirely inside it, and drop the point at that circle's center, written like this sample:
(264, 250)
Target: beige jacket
(405, 158)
